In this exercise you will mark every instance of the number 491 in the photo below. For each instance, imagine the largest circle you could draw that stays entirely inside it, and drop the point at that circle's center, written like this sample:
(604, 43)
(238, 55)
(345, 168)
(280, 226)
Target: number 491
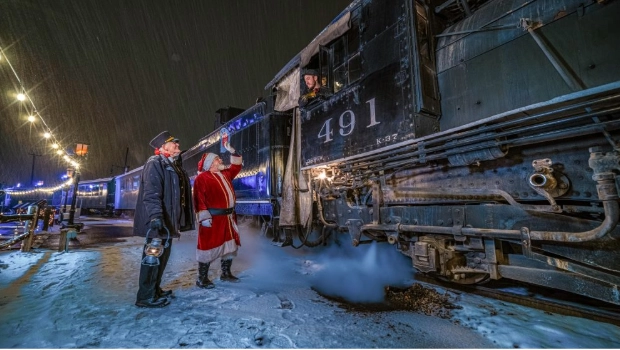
(346, 121)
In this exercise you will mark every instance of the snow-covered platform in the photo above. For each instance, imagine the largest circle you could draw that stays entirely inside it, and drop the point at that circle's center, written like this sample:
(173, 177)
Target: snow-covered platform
(85, 299)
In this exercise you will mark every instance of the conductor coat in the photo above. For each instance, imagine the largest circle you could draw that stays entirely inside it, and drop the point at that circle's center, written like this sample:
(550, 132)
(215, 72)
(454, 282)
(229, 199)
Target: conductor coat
(164, 192)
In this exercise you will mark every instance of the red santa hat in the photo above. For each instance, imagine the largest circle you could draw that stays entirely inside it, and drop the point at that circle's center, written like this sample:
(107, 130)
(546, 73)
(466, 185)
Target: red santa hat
(205, 162)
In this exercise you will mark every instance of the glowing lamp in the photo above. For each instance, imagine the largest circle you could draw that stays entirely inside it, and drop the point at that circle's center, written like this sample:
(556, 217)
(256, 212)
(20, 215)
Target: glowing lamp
(81, 149)
(154, 249)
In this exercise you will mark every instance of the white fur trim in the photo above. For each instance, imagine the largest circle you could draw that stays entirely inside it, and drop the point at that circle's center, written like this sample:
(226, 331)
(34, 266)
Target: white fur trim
(237, 160)
(208, 161)
(203, 215)
(207, 256)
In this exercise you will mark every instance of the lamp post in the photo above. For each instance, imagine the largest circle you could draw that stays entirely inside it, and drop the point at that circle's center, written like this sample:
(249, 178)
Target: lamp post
(80, 150)
(70, 172)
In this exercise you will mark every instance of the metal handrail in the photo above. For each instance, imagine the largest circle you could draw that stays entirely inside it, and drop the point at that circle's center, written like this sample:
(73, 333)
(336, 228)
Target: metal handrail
(15, 240)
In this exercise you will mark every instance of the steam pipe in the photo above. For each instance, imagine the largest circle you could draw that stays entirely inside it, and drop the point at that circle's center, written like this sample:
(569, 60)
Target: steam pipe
(607, 193)
(611, 220)
(319, 205)
(371, 160)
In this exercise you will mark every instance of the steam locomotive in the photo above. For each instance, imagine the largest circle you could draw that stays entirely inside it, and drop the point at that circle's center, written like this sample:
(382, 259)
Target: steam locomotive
(478, 137)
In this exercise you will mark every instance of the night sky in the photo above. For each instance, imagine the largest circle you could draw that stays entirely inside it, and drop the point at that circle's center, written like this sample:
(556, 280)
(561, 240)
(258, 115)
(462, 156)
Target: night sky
(114, 74)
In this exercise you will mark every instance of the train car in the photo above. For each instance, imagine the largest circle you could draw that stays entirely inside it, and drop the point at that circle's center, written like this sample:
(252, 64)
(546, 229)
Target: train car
(262, 136)
(95, 196)
(126, 194)
(480, 138)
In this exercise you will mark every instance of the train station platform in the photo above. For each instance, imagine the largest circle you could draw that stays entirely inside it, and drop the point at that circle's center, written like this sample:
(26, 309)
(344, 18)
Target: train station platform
(84, 298)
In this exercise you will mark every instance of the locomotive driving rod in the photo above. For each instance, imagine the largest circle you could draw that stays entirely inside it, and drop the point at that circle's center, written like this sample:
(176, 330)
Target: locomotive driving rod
(607, 193)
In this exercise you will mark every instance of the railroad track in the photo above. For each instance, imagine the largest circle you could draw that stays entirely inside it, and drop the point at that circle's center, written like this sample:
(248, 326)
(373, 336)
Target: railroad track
(563, 303)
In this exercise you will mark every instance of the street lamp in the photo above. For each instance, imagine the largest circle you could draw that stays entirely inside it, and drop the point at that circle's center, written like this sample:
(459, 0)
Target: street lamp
(70, 172)
(81, 149)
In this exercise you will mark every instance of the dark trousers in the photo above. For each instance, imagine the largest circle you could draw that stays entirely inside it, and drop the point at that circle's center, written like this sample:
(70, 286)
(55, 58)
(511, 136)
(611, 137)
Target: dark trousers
(150, 276)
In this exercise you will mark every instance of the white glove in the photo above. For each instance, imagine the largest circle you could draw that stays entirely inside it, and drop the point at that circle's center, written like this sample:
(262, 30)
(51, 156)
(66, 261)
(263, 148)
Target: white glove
(206, 223)
(229, 148)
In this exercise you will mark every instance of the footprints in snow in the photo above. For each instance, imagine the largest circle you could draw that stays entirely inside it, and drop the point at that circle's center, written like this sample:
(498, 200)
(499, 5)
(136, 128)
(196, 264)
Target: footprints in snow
(285, 303)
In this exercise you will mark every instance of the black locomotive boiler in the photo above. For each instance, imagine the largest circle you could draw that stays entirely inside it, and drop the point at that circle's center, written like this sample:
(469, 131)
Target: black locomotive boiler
(480, 138)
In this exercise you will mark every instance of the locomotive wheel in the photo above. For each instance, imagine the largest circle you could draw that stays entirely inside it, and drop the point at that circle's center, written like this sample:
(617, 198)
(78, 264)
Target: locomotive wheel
(465, 278)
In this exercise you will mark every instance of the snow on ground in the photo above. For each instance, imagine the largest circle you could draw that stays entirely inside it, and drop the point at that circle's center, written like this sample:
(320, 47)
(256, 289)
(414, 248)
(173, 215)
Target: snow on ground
(84, 299)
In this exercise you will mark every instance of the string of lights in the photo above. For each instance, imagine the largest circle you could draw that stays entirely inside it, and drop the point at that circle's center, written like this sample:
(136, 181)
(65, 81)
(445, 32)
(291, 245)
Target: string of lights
(39, 189)
(22, 96)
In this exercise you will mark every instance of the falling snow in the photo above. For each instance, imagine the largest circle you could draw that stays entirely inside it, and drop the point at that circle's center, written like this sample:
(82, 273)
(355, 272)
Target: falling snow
(116, 73)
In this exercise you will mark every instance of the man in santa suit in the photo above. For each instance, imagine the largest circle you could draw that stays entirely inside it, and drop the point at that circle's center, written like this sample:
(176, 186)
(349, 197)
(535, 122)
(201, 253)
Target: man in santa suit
(214, 202)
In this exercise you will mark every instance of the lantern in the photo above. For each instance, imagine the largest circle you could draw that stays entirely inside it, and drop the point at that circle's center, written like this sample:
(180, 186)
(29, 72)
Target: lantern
(81, 149)
(154, 249)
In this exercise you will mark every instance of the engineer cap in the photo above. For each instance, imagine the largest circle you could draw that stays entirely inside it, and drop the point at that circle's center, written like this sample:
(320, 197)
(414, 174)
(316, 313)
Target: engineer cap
(311, 72)
(161, 139)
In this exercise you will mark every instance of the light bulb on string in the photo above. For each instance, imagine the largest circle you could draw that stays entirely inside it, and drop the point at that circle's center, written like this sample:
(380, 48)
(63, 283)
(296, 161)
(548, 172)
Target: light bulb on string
(22, 96)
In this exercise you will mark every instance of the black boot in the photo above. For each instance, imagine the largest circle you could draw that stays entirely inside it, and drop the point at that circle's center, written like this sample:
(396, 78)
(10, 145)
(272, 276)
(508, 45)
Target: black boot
(288, 238)
(153, 303)
(203, 276)
(160, 293)
(226, 274)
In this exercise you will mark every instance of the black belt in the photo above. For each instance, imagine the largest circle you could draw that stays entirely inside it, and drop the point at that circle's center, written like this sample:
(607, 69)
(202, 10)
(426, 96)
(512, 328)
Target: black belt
(218, 211)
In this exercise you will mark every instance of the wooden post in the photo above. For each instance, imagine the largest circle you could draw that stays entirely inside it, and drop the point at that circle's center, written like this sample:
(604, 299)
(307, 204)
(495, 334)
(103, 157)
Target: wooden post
(46, 219)
(63, 244)
(31, 225)
(65, 235)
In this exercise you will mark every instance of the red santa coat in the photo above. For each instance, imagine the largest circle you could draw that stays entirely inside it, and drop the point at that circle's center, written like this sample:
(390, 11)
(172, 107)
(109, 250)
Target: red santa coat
(214, 190)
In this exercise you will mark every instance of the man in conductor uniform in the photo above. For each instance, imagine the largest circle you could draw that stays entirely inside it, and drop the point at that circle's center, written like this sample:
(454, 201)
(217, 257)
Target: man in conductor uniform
(164, 206)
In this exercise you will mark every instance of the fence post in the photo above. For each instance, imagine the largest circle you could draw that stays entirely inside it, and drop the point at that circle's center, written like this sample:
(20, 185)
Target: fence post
(65, 235)
(31, 225)
(63, 244)
(46, 219)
